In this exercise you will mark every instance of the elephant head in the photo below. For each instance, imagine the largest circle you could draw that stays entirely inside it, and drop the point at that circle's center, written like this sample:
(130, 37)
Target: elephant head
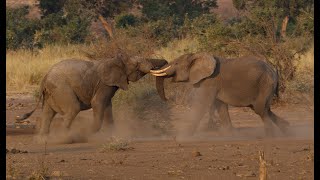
(123, 69)
(192, 68)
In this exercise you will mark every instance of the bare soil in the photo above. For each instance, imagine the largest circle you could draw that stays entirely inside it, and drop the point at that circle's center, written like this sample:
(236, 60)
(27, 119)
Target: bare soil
(209, 155)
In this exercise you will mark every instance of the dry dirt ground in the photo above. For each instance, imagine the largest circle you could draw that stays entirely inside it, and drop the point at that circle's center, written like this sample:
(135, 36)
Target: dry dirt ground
(210, 155)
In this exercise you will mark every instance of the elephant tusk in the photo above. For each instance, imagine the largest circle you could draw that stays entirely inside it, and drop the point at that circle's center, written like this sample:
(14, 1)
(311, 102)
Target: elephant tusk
(160, 71)
(159, 74)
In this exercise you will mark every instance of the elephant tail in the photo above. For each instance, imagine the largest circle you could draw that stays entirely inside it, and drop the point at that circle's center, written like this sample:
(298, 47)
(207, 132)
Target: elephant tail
(27, 115)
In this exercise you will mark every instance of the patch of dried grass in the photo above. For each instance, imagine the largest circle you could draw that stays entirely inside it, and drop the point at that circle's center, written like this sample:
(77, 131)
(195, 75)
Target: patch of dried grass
(121, 43)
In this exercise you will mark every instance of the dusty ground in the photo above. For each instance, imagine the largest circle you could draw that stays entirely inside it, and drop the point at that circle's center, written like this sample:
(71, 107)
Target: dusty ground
(222, 156)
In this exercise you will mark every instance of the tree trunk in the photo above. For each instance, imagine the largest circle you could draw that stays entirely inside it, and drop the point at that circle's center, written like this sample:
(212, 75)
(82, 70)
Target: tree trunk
(284, 27)
(107, 25)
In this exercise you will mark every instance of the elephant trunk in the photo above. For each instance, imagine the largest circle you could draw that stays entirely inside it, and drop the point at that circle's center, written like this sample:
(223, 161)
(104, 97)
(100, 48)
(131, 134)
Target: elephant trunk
(160, 87)
(158, 64)
(166, 71)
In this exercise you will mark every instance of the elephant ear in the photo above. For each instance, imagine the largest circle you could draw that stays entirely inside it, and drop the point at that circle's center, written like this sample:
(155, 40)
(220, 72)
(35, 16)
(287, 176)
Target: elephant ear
(203, 66)
(112, 74)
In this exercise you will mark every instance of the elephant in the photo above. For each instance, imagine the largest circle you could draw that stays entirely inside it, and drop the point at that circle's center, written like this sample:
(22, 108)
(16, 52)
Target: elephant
(74, 85)
(246, 81)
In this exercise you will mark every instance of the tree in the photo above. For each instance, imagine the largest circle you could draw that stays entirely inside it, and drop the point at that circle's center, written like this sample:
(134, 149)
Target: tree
(50, 7)
(83, 10)
(19, 29)
(107, 8)
(104, 9)
(161, 9)
(271, 27)
(284, 13)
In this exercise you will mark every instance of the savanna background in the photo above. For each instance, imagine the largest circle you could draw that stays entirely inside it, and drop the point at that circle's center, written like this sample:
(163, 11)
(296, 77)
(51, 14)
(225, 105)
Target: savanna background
(40, 33)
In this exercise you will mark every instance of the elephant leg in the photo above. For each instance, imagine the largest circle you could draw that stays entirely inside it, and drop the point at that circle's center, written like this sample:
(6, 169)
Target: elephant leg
(108, 118)
(261, 106)
(99, 107)
(47, 115)
(204, 98)
(98, 114)
(262, 111)
(102, 107)
(281, 123)
(68, 117)
(69, 105)
(224, 114)
(213, 123)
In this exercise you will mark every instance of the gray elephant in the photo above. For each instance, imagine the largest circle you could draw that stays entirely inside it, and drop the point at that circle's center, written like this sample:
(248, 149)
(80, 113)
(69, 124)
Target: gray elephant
(219, 82)
(74, 85)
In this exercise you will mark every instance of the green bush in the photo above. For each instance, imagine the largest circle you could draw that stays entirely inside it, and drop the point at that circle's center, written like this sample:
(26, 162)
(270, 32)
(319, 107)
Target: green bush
(162, 31)
(50, 7)
(125, 20)
(163, 9)
(19, 30)
(71, 26)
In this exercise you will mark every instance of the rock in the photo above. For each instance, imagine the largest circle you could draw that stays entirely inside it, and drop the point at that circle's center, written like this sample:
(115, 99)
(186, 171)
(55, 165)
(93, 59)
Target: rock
(15, 151)
(240, 164)
(196, 153)
(224, 168)
(248, 174)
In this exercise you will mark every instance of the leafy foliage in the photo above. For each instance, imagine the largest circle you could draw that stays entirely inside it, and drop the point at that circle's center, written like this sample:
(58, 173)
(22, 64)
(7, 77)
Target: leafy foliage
(51, 7)
(161, 9)
(125, 20)
(107, 8)
(276, 30)
(19, 30)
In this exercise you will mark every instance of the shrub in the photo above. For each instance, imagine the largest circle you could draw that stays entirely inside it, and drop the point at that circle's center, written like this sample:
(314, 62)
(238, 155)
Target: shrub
(137, 45)
(50, 7)
(68, 26)
(19, 30)
(162, 31)
(116, 145)
(125, 20)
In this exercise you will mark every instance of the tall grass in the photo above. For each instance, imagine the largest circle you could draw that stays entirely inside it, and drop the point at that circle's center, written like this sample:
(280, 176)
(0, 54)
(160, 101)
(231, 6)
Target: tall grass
(304, 76)
(25, 68)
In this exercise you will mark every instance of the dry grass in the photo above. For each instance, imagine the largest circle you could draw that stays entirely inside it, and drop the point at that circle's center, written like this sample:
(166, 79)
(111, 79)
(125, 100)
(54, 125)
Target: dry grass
(121, 43)
(116, 144)
(304, 78)
(12, 171)
(25, 68)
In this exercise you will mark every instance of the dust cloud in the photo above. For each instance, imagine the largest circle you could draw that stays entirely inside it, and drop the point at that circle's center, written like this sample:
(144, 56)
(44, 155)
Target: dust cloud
(151, 119)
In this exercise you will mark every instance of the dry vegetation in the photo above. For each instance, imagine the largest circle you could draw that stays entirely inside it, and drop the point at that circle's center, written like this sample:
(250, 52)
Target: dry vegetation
(25, 68)
(116, 144)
